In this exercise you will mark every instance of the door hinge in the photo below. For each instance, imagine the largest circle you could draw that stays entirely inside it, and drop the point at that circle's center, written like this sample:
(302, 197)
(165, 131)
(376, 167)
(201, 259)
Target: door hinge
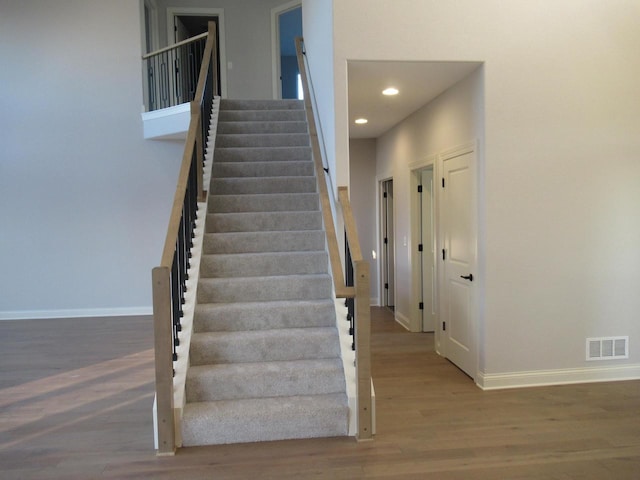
(444, 254)
(421, 306)
(444, 326)
(386, 240)
(419, 188)
(384, 195)
(419, 247)
(386, 286)
(442, 182)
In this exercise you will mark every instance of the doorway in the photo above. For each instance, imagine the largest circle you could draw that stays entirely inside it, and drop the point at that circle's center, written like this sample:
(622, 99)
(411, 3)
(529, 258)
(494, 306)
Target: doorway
(388, 244)
(286, 26)
(183, 23)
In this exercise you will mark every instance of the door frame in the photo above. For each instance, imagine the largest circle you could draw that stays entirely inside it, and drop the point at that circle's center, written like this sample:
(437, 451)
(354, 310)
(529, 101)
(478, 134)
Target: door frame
(275, 45)
(415, 168)
(204, 12)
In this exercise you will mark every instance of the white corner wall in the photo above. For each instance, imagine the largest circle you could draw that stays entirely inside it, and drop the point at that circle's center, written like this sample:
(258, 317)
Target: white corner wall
(84, 200)
(362, 195)
(559, 217)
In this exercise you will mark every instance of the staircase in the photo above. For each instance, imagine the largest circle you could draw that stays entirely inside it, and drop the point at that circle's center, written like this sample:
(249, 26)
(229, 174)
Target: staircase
(264, 359)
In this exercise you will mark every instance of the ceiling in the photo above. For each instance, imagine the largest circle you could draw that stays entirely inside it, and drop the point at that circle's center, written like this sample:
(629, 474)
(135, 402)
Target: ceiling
(418, 83)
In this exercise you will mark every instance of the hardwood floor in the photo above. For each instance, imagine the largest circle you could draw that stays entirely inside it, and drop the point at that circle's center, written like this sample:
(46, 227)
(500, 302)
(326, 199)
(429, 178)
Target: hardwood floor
(76, 397)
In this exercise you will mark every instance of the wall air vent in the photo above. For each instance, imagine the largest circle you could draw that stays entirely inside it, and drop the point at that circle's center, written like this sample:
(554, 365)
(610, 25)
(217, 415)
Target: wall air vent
(607, 348)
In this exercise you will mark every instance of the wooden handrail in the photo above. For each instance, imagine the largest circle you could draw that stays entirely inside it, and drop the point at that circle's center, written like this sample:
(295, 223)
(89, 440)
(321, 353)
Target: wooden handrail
(164, 276)
(190, 144)
(360, 292)
(175, 45)
(342, 291)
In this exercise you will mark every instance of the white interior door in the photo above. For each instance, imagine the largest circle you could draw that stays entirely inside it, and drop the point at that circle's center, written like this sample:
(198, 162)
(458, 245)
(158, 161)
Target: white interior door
(427, 240)
(458, 222)
(388, 242)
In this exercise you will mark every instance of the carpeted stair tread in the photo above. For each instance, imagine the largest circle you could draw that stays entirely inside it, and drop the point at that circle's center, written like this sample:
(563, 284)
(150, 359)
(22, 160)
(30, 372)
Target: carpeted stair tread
(263, 221)
(287, 115)
(264, 419)
(242, 185)
(286, 126)
(264, 345)
(258, 289)
(227, 104)
(263, 264)
(264, 241)
(263, 202)
(264, 379)
(267, 315)
(263, 169)
(262, 154)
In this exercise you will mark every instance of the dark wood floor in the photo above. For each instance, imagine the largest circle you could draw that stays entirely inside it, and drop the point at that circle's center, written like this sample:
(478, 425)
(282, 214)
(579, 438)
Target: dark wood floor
(76, 397)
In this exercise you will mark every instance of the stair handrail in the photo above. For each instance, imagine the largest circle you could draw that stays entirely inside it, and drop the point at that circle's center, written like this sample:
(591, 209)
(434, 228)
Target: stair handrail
(354, 287)
(169, 278)
(172, 72)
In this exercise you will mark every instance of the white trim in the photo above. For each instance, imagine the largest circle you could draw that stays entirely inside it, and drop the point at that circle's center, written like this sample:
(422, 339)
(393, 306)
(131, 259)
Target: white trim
(205, 12)
(275, 45)
(75, 313)
(402, 320)
(171, 123)
(539, 378)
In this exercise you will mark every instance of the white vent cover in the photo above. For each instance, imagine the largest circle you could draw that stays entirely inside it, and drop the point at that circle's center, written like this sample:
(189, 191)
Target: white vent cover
(607, 348)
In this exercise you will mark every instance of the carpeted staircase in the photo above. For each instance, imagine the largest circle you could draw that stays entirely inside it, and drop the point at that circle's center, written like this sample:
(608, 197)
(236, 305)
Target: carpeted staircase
(265, 357)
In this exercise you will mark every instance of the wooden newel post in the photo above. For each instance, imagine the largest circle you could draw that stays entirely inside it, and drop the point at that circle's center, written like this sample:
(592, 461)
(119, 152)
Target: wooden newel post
(163, 343)
(363, 350)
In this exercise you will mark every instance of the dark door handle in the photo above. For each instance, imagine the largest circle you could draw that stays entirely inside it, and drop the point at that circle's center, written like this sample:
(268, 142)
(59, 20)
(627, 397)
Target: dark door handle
(467, 277)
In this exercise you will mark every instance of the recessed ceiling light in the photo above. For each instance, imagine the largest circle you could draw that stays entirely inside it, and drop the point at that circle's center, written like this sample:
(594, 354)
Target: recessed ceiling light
(390, 91)
(361, 121)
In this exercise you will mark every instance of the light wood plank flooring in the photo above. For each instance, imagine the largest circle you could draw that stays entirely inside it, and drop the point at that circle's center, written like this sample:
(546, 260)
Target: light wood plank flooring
(76, 397)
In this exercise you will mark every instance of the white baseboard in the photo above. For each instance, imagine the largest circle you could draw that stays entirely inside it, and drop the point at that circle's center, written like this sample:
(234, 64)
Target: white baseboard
(76, 313)
(374, 302)
(402, 320)
(540, 378)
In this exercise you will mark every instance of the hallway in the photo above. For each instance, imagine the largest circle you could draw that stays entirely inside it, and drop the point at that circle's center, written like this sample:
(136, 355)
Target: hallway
(76, 397)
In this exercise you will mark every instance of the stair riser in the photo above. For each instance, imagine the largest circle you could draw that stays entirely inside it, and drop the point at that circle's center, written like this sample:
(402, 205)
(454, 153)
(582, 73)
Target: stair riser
(275, 379)
(288, 202)
(250, 185)
(259, 140)
(264, 346)
(278, 154)
(262, 127)
(253, 421)
(263, 221)
(259, 265)
(262, 169)
(254, 242)
(263, 316)
(259, 289)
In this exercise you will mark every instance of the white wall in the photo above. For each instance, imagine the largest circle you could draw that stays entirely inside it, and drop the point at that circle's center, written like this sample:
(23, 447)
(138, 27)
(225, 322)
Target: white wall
(248, 42)
(362, 154)
(317, 25)
(559, 217)
(84, 200)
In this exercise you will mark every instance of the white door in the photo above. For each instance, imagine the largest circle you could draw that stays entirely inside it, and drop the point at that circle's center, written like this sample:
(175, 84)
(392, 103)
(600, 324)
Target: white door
(388, 247)
(458, 221)
(427, 250)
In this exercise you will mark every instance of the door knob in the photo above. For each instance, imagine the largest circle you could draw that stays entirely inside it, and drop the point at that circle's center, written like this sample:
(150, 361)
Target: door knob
(467, 277)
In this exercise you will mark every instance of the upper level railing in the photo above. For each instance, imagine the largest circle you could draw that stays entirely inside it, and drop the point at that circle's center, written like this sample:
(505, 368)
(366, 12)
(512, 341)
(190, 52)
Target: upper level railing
(170, 277)
(172, 73)
(354, 287)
